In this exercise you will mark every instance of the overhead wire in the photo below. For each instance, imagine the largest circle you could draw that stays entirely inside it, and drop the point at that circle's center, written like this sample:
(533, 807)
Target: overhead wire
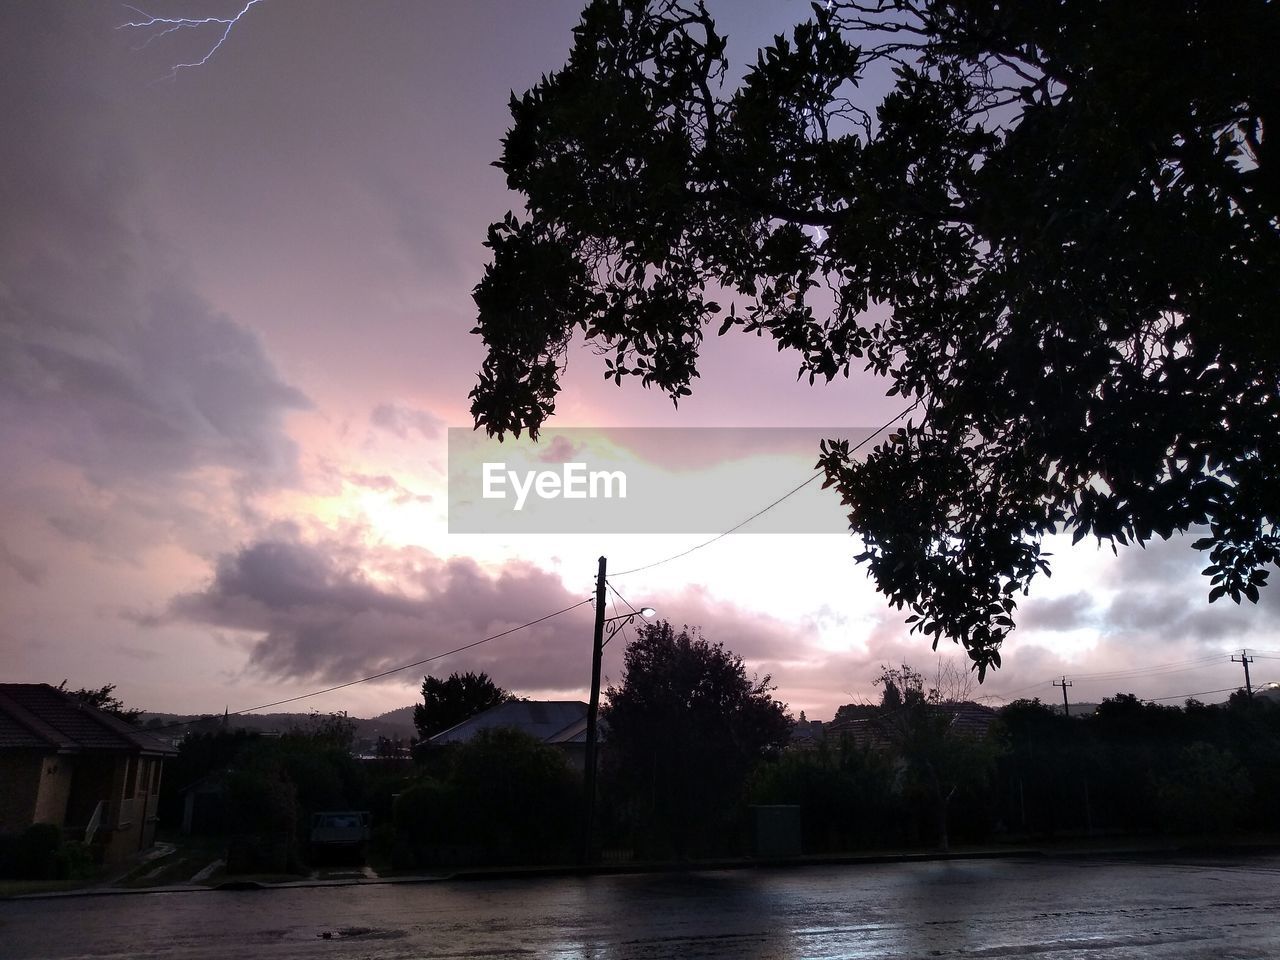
(790, 493)
(1158, 669)
(1187, 696)
(384, 673)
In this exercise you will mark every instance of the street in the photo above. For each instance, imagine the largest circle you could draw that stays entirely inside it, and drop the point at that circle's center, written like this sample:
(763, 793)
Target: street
(1096, 908)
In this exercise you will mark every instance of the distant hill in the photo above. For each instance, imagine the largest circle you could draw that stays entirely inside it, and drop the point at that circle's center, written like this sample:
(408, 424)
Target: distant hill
(402, 717)
(393, 724)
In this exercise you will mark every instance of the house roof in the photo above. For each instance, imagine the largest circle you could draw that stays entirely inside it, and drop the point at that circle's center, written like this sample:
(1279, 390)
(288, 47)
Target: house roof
(967, 718)
(38, 716)
(973, 719)
(551, 721)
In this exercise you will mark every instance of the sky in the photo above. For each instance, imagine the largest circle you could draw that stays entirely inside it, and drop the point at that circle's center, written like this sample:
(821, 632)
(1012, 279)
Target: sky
(234, 329)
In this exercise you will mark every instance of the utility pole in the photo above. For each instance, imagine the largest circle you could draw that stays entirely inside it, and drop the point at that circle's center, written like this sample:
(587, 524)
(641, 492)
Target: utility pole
(1246, 660)
(1066, 707)
(593, 709)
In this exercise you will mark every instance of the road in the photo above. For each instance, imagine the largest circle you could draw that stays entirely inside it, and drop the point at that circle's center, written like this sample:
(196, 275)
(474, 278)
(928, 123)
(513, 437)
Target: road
(1078, 909)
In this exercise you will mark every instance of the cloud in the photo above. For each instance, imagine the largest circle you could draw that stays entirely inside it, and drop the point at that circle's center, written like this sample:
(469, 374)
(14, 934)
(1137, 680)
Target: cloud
(403, 420)
(334, 610)
(1060, 613)
(29, 571)
(109, 360)
(385, 483)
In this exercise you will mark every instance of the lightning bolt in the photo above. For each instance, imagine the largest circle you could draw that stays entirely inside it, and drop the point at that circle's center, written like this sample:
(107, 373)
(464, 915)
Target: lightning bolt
(157, 27)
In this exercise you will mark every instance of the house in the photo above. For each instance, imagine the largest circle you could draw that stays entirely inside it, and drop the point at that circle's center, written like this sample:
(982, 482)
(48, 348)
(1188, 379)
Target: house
(561, 723)
(806, 735)
(966, 719)
(67, 763)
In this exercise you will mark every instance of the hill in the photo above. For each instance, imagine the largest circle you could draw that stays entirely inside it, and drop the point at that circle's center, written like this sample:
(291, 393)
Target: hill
(393, 724)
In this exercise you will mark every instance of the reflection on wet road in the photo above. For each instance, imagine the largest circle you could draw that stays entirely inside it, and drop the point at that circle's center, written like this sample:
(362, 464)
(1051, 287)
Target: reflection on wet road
(1079, 909)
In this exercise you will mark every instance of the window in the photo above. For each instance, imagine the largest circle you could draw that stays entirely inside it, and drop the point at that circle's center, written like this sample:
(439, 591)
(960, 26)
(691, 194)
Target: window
(130, 777)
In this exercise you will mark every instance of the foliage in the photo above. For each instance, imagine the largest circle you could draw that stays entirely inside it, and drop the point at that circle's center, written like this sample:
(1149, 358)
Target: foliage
(271, 786)
(1205, 791)
(41, 852)
(199, 755)
(940, 762)
(846, 795)
(264, 820)
(104, 699)
(1058, 223)
(1136, 767)
(446, 703)
(506, 797)
(331, 731)
(685, 727)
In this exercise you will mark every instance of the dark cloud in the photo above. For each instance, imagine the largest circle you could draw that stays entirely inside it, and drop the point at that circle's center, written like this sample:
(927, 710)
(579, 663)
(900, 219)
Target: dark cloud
(1061, 613)
(108, 359)
(334, 610)
(29, 571)
(403, 421)
(1162, 595)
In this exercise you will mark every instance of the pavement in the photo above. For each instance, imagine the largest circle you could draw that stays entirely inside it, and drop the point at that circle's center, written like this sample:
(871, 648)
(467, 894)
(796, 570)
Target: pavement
(364, 875)
(1146, 906)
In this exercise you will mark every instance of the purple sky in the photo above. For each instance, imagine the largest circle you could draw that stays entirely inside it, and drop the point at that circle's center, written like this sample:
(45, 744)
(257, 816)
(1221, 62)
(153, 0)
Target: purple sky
(234, 314)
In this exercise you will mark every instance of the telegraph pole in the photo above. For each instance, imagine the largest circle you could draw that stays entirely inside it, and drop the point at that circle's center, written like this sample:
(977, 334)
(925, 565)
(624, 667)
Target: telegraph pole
(593, 709)
(1064, 683)
(1245, 659)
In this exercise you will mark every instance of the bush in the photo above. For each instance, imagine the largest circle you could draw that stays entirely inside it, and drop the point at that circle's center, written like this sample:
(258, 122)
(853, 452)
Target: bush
(846, 794)
(505, 797)
(262, 814)
(425, 823)
(33, 854)
(1206, 791)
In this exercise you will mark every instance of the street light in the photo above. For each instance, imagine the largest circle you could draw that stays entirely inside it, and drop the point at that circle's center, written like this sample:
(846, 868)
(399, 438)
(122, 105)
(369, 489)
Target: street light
(606, 628)
(613, 624)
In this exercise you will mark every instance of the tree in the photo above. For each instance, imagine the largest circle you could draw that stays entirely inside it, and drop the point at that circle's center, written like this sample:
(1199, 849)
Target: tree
(685, 727)
(919, 723)
(1059, 224)
(502, 797)
(446, 703)
(104, 699)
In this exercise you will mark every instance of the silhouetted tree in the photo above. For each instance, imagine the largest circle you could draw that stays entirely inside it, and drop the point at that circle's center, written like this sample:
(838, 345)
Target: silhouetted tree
(685, 727)
(446, 703)
(335, 731)
(104, 699)
(1057, 225)
(919, 723)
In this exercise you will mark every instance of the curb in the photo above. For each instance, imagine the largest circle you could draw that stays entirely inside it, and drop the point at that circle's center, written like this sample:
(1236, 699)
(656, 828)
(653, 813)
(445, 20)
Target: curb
(681, 867)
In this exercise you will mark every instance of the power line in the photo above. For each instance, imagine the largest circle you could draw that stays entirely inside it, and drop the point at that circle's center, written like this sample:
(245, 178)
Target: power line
(384, 673)
(617, 616)
(626, 636)
(1157, 669)
(1172, 667)
(621, 597)
(792, 492)
(1186, 696)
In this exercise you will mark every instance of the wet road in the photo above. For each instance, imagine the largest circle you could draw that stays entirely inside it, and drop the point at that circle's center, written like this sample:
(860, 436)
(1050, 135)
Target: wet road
(1075, 909)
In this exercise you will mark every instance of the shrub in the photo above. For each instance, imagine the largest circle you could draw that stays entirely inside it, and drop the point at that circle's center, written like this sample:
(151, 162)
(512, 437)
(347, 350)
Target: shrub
(1206, 791)
(33, 854)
